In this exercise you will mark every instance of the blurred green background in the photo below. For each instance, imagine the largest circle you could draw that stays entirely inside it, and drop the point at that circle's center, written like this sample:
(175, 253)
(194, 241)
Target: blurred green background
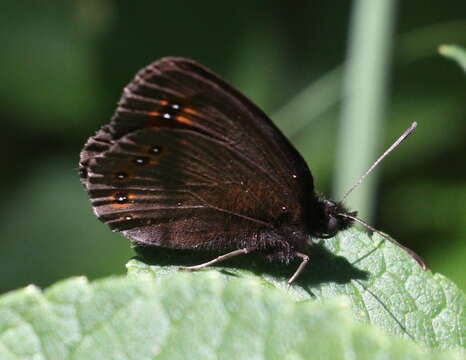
(63, 65)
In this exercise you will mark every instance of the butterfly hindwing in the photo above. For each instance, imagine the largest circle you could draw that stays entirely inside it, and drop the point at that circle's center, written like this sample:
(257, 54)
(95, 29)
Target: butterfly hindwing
(187, 161)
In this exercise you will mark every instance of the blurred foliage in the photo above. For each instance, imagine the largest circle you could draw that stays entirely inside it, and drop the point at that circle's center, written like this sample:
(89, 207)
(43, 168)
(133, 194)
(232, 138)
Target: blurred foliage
(64, 64)
(455, 53)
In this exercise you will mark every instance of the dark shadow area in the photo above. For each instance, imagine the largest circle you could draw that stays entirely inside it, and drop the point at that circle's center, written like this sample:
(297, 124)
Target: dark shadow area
(323, 267)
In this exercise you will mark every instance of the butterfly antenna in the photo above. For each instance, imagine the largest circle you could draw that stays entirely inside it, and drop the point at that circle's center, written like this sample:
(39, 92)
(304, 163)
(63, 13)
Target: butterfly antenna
(409, 251)
(403, 136)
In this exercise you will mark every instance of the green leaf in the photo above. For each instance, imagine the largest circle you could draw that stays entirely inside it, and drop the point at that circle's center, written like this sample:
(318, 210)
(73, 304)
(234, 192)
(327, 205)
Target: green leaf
(455, 53)
(185, 316)
(158, 312)
(385, 286)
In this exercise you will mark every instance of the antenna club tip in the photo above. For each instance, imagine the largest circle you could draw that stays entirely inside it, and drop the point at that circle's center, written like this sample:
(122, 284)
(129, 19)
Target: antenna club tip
(414, 125)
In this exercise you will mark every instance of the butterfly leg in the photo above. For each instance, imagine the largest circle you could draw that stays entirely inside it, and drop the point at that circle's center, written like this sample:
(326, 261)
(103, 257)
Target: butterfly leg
(220, 258)
(299, 270)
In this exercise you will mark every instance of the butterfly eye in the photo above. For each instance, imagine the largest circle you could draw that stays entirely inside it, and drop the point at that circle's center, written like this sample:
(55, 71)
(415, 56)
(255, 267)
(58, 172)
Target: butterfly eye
(333, 224)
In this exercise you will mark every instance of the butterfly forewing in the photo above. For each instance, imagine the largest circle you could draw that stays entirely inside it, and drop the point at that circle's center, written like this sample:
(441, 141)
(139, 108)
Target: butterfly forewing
(186, 159)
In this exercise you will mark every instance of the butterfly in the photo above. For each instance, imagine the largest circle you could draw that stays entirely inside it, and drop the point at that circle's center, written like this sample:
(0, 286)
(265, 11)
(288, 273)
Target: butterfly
(188, 162)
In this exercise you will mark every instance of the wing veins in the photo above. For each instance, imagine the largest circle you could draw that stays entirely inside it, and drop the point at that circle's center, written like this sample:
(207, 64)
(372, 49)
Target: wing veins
(141, 81)
(257, 221)
(231, 149)
(128, 93)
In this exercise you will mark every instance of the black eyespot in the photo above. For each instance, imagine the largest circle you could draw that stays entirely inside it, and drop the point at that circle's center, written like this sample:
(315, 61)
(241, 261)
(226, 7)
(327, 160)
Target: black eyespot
(175, 106)
(121, 175)
(128, 217)
(141, 160)
(121, 198)
(155, 150)
(167, 116)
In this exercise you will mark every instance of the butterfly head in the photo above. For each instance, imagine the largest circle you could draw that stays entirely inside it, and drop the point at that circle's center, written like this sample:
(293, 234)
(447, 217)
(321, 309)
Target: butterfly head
(333, 219)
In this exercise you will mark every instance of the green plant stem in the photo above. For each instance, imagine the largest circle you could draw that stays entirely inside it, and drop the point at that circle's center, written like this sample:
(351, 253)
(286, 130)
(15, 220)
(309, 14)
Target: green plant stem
(365, 91)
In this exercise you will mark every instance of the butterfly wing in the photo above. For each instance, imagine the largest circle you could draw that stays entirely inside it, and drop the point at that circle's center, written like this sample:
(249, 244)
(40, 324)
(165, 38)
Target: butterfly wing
(187, 161)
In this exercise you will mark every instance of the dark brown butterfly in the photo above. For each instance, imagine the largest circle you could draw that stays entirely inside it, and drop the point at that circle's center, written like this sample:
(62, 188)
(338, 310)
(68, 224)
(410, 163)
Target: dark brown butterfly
(188, 162)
